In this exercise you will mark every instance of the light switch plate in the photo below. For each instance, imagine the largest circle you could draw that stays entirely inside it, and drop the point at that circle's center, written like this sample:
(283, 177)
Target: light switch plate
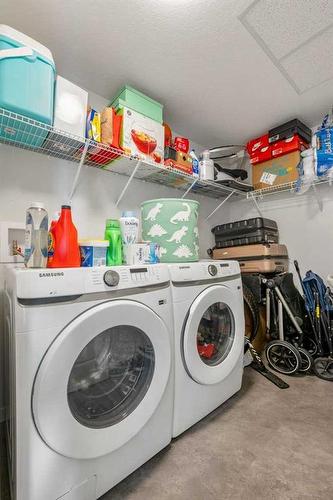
(10, 231)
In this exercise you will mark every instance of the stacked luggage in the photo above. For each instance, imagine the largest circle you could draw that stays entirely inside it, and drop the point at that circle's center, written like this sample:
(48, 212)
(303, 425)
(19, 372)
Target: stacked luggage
(254, 243)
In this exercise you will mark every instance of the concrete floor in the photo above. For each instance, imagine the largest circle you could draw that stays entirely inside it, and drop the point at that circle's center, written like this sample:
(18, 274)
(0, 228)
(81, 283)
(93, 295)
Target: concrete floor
(264, 443)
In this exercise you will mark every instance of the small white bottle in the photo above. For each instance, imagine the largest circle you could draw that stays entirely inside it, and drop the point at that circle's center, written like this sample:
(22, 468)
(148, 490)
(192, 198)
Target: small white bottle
(36, 236)
(206, 167)
(129, 226)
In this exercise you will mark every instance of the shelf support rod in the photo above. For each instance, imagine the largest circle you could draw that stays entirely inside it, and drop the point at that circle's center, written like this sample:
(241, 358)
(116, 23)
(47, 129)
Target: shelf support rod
(190, 188)
(220, 205)
(78, 172)
(128, 183)
(254, 199)
(319, 201)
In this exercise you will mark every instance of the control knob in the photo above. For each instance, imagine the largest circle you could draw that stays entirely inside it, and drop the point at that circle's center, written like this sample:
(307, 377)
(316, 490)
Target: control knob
(111, 278)
(212, 270)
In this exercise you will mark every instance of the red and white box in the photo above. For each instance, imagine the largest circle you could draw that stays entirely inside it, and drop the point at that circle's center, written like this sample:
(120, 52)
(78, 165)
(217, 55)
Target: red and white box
(294, 143)
(259, 149)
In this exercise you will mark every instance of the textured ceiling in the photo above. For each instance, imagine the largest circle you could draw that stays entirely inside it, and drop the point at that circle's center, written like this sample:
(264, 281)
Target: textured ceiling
(218, 84)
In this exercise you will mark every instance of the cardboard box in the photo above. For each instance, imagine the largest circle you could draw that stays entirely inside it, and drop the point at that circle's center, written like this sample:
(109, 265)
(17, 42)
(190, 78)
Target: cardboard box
(276, 171)
(141, 136)
(259, 149)
(293, 143)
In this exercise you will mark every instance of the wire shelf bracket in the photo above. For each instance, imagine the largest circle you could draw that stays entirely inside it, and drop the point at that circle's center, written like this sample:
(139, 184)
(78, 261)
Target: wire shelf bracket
(256, 204)
(78, 172)
(220, 205)
(319, 201)
(122, 194)
(190, 188)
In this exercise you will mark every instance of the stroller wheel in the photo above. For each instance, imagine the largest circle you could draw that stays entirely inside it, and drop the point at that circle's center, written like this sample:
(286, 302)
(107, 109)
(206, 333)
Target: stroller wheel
(307, 360)
(283, 357)
(323, 368)
(310, 346)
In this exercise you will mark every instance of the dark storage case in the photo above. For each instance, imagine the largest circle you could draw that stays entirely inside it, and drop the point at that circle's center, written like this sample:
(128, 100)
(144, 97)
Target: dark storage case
(289, 129)
(246, 232)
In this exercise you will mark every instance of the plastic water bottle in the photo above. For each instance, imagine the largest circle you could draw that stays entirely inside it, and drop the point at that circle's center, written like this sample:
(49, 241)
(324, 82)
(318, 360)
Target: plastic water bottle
(36, 236)
(206, 167)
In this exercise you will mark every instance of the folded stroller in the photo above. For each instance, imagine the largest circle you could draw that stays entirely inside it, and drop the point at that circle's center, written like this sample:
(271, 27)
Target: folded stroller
(319, 304)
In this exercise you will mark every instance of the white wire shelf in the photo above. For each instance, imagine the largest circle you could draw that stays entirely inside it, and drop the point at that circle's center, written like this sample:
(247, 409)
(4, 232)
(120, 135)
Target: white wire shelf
(22, 132)
(288, 187)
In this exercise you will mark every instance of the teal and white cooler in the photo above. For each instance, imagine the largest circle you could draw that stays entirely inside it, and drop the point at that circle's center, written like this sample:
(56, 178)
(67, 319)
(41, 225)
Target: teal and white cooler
(27, 81)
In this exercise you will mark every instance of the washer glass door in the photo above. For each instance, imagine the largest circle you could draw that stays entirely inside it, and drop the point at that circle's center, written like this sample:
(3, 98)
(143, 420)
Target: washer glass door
(213, 334)
(111, 376)
(102, 379)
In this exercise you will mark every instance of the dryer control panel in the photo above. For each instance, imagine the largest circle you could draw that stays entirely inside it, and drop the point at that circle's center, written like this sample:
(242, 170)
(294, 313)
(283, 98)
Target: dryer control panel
(44, 283)
(204, 270)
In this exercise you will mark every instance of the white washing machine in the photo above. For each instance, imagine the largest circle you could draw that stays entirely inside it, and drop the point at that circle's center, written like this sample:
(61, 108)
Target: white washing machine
(90, 377)
(209, 337)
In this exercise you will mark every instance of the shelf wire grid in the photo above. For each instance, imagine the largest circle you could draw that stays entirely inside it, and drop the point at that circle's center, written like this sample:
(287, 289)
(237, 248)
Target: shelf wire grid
(25, 133)
(288, 187)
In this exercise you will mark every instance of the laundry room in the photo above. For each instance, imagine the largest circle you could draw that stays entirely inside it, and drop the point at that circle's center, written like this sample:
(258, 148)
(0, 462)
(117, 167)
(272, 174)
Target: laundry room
(166, 243)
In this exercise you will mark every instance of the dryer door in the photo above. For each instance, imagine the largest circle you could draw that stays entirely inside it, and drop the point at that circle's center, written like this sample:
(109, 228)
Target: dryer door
(102, 379)
(213, 336)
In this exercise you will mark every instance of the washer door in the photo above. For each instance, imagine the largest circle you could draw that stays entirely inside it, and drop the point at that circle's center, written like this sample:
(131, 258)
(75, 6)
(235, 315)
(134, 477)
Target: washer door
(102, 379)
(213, 334)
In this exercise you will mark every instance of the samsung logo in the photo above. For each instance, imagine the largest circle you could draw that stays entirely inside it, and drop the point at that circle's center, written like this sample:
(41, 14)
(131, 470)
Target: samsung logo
(184, 267)
(50, 275)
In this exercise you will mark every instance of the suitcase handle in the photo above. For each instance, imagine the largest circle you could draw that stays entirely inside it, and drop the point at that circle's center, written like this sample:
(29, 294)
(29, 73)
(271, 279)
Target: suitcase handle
(25, 52)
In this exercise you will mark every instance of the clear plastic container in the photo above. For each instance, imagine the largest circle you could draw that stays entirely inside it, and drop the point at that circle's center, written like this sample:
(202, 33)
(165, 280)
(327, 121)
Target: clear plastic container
(36, 236)
(206, 167)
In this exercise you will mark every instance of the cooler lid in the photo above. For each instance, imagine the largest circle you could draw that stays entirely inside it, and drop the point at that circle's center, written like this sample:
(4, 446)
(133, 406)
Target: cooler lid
(25, 40)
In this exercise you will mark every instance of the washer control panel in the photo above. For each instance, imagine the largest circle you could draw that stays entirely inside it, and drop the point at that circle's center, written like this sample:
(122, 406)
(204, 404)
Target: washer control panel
(122, 277)
(203, 271)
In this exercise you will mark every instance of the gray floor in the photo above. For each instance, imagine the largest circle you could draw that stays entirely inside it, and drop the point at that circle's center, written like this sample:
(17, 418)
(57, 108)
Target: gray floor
(264, 443)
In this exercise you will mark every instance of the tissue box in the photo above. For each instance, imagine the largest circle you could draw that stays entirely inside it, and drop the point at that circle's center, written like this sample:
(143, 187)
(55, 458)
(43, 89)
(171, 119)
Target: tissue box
(141, 136)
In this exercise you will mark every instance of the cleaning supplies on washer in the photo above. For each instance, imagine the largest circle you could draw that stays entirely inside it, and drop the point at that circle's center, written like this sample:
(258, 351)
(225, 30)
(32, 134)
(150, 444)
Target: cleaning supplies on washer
(66, 247)
(50, 249)
(142, 253)
(93, 252)
(36, 231)
(129, 226)
(113, 235)
(206, 167)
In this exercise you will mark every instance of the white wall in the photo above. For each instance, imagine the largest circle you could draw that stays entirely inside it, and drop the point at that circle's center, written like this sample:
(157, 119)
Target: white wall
(27, 176)
(307, 232)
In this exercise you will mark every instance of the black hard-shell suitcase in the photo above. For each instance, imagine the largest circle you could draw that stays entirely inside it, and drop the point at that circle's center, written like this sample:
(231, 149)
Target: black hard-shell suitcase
(261, 236)
(246, 232)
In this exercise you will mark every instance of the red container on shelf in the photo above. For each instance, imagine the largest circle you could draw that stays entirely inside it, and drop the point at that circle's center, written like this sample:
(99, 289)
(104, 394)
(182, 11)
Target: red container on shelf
(294, 143)
(182, 144)
(66, 246)
(259, 149)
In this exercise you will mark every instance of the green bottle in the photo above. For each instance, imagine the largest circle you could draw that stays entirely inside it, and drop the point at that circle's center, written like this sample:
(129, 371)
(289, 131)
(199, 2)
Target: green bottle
(114, 255)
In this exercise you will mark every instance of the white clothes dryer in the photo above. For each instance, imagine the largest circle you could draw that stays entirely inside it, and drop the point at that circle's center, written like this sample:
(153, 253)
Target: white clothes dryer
(209, 337)
(90, 377)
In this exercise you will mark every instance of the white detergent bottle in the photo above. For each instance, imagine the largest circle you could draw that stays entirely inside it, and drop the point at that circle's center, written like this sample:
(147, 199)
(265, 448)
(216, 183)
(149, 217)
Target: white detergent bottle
(36, 236)
(129, 226)
(206, 167)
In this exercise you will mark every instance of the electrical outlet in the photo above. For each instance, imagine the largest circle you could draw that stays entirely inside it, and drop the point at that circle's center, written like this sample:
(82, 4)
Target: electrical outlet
(9, 232)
